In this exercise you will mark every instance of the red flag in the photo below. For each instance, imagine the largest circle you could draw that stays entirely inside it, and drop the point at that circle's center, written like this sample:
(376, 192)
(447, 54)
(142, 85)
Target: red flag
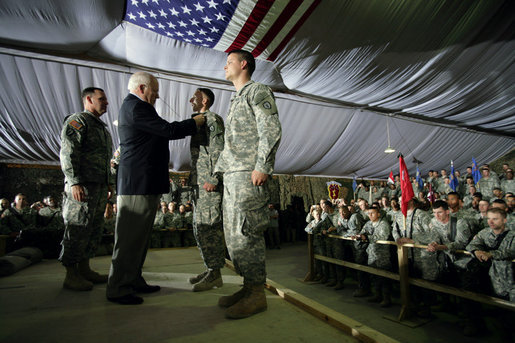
(431, 194)
(390, 178)
(406, 188)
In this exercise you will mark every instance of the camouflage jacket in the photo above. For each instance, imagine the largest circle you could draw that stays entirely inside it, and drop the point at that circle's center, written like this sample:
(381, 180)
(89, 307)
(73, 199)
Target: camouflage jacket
(205, 147)
(501, 271)
(86, 150)
(487, 185)
(378, 254)
(51, 218)
(173, 220)
(350, 227)
(252, 131)
(14, 220)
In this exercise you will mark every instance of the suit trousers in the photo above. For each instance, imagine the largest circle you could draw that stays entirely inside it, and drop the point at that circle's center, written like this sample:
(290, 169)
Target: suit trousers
(134, 224)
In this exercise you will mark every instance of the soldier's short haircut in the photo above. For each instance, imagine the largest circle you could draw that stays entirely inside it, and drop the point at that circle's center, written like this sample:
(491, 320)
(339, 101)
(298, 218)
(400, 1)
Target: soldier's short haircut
(246, 56)
(498, 211)
(440, 204)
(497, 189)
(478, 195)
(328, 203)
(89, 91)
(375, 208)
(500, 201)
(209, 94)
(454, 193)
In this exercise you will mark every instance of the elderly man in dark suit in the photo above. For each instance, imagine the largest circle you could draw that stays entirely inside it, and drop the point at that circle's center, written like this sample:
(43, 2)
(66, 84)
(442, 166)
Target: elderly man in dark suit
(142, 178)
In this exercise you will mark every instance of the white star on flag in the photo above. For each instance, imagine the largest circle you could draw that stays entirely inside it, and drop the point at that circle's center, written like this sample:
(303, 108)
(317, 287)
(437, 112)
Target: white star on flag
(262, 27)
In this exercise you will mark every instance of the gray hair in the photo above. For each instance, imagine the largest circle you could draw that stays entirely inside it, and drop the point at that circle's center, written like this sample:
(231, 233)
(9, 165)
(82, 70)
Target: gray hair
(139, 78)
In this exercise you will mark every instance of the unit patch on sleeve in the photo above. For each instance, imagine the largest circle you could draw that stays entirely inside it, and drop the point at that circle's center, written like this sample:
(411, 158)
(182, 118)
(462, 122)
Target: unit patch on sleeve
(76, 125)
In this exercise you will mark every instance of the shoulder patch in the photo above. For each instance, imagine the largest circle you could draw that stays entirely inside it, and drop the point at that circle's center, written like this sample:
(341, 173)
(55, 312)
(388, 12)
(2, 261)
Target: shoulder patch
(75, 124)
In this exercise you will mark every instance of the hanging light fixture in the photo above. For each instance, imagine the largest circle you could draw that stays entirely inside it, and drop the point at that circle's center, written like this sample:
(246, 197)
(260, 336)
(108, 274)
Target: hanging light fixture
(388, 150)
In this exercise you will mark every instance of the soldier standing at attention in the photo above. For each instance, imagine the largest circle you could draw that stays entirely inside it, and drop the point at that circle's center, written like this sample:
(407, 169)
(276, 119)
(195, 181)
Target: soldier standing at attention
(252, 136)
(206, 146)
(86, 150)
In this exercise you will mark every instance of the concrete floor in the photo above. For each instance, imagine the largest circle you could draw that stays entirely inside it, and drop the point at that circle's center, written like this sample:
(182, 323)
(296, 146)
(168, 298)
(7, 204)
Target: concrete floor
(35, 308)
(288, 267)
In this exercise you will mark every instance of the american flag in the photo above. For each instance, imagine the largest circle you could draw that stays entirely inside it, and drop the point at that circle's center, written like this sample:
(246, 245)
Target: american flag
(263, 27)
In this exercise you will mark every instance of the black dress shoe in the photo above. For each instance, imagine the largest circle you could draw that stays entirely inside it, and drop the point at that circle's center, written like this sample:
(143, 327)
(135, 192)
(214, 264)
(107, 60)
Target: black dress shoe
(147, 289)
(129, 299)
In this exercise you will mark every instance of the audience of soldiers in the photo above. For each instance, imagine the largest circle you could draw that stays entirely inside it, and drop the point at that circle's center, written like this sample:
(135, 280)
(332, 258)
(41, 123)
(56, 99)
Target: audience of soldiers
(474, 218)
(468, 234)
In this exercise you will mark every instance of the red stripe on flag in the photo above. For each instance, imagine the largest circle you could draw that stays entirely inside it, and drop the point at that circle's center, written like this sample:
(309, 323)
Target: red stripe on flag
(255, 18)
(283, 18)
(290, 34)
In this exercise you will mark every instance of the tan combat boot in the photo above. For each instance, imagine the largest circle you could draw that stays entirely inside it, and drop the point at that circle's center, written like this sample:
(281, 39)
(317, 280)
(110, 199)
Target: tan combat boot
(89, 274)
(229, 300)
(213, 278)
(75, 281)
(195, 279)
(254, 302)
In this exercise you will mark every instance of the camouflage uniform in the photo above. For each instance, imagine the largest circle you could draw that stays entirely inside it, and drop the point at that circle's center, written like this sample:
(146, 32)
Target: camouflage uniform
(417, 228)
(379, 254)
(318, 248)
(252, 136)
(487, 185)
(500, 267)
(159, 224)
(352, 227)
(172, 238)
(188, 237)
(508, 186)
(333, 246)
(51, 231)
(206, 146)
(86, 150)
(14, 220)
(442, 233)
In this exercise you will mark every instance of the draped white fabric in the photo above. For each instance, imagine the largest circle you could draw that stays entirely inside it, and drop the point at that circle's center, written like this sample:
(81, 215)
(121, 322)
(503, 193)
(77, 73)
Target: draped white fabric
(436, 67)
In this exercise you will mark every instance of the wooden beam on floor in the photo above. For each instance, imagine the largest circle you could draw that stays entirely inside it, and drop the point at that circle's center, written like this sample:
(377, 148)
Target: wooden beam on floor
(348, 325)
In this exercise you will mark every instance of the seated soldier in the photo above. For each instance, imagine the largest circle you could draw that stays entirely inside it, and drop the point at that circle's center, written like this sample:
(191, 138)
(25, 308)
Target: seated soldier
(467, 199)
(172, 222)
(18, 218)
(453, 202)
(51, 224)
(494, 249)
(378, 229)
(188, 238)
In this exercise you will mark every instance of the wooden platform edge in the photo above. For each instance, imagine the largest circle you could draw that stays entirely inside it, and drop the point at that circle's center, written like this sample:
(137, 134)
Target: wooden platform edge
(340, 321)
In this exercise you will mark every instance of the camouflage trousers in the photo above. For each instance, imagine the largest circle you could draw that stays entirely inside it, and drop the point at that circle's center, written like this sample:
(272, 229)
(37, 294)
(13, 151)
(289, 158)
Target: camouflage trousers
(245, 217)
(208, 228)
(83, 223)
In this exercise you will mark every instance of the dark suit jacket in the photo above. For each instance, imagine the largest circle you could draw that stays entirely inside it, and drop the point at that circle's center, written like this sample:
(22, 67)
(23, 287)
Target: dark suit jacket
(144, 148)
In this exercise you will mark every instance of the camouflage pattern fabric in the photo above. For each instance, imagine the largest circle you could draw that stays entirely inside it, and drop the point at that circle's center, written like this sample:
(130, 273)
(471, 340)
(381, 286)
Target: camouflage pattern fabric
(417, 228)
(378, 254)
(252, 137)
(83, 223)
(501, 270)
(86, 150)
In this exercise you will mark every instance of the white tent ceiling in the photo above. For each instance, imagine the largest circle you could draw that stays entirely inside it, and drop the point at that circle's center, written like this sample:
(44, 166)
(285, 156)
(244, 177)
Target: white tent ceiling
(442, 72)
